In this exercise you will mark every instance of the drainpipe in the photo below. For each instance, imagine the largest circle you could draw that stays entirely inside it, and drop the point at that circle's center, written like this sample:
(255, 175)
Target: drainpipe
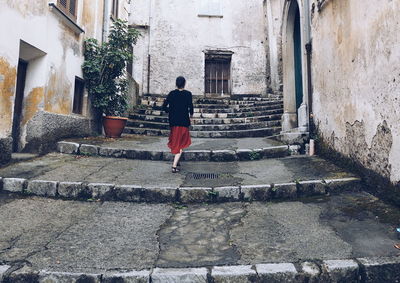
(148, 49)
(106, 19)
(308, 47)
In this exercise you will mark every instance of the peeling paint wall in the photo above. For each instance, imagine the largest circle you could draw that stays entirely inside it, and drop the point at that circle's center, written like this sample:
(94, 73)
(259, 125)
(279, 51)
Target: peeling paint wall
(356, 79)
(178, 37)
(54, 52)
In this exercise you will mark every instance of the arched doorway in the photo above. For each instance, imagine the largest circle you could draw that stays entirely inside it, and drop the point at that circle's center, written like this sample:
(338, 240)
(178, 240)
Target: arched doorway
(293, 74)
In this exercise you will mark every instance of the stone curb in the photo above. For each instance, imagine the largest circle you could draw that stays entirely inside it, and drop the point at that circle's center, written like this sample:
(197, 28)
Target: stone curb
(386, 269)
(137, 193)
(190, 155)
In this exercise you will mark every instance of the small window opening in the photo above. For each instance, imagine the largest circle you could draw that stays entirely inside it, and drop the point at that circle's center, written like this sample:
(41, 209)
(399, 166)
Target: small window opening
(78, 96)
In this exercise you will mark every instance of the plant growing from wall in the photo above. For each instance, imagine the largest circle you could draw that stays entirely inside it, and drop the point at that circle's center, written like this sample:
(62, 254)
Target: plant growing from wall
(104, 68)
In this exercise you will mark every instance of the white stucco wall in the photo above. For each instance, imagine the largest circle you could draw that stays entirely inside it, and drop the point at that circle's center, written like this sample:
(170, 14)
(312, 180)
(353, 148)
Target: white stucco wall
(178, 37)
(356, 77)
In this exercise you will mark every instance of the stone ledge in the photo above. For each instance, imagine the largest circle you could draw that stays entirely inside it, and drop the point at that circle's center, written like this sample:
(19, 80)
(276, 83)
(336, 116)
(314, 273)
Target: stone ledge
(137, 193)
(385, 269)
(189, 155)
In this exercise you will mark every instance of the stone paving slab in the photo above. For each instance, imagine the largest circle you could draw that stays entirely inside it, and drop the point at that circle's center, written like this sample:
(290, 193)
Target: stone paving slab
(155, 148)
(72, 177)
(46, 240)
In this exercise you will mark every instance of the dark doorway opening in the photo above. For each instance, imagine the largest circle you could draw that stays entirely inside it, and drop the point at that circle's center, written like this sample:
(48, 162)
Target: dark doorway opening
(218, 74)
(18, 103)
(297, 58)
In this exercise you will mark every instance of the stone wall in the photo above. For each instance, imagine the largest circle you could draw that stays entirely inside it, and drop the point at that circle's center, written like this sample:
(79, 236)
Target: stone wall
(356, 80)
(179, 35)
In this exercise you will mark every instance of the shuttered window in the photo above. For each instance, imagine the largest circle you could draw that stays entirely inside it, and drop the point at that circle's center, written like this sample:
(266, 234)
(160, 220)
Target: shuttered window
(114, 9)
(217, 76)
(69, 7)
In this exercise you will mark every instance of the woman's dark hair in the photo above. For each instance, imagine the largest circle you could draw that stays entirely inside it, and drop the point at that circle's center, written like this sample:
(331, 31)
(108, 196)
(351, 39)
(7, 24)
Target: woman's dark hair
(180, 82)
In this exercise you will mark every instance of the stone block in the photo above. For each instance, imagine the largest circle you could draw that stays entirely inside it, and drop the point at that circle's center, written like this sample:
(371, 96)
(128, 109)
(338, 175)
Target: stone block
(275, 151)
(294, 149)
(14, 184)
(284, 191)
(277, 272)
(111, 152)
(3, 270)
(340, 271)
(168, 156)
(246, 154)
(181, 275)
(335, 186)
(23, 274)
(237, 274)
(310, 272)
(142, 276)
(71, 190)
(137, 154)
(160, 194)
(102, 191)
(223, 155)
(130, 193)
(42, 188)
(311, 188)
(67, 277)
(88, 149)
(256, 192)
(155, 155)
(197, 155)
(68, 147)
(194, 195)
(383, 269)
(227, 193)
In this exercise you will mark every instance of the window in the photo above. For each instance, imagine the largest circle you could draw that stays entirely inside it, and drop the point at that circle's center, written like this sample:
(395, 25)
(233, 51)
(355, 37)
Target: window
(68, 7)
(218, 73)
(114, 9)
(210, 8)
(78, 96)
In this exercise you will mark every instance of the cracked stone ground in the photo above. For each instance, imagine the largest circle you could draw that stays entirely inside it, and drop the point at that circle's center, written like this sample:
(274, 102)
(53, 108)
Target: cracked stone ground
(91, 237)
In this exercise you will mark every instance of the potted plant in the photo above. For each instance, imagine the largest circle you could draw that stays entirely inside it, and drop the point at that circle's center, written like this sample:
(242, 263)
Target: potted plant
(104, 71)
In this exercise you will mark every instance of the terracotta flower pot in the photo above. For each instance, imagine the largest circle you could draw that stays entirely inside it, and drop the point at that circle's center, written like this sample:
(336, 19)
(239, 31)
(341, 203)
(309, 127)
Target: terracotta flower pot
(114, 126)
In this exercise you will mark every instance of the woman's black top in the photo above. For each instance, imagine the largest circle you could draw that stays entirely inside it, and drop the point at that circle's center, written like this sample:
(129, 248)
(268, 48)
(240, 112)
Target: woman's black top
(179, 105)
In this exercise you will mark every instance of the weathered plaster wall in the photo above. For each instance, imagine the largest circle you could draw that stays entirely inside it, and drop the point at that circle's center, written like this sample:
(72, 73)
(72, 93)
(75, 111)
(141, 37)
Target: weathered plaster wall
(50, 78)
(356, 78)
(178, 37)
(274, 15)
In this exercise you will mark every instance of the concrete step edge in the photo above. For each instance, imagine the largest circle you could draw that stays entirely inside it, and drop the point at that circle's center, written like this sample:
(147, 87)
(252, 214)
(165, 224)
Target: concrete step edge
(188, 155)
(85, 191)
(342, 270)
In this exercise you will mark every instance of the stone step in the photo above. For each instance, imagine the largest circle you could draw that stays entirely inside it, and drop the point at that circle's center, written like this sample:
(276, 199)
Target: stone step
(205, 127)
(261, 132)
(239, 110)
(216, 115)
(201, 121)
(236, 104)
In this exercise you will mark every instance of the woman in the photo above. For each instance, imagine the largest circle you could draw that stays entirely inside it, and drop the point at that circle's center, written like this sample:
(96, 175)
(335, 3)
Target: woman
(179, 106)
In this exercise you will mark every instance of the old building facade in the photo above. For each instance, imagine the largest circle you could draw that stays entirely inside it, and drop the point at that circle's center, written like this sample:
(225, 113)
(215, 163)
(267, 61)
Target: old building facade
(41, 53)
(219, 46)
(340, 62)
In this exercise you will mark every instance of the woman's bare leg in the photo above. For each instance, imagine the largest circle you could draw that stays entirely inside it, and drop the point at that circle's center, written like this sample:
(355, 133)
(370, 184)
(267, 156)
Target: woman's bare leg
(176, 159)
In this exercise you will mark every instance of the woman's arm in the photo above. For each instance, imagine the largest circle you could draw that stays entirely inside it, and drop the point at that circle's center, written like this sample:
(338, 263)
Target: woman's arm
(165, 104)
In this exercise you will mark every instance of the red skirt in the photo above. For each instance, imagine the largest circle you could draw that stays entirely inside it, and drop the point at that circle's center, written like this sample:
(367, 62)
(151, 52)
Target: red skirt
(179, 138)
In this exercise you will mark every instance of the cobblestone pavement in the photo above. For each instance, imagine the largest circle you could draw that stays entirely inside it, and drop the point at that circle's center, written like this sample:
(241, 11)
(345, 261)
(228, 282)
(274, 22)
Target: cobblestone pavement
(90, 237)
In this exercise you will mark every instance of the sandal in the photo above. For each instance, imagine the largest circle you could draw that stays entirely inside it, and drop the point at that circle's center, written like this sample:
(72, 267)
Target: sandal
(175, 170)
(397, 246)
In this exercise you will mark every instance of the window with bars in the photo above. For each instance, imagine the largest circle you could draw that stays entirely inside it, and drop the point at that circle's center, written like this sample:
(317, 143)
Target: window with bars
(78, 96)
(69, 7)
(218, 75)
(114, 9)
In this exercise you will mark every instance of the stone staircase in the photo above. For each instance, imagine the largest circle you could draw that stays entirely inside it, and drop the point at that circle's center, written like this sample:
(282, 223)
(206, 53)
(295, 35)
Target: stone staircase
(237, 117)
